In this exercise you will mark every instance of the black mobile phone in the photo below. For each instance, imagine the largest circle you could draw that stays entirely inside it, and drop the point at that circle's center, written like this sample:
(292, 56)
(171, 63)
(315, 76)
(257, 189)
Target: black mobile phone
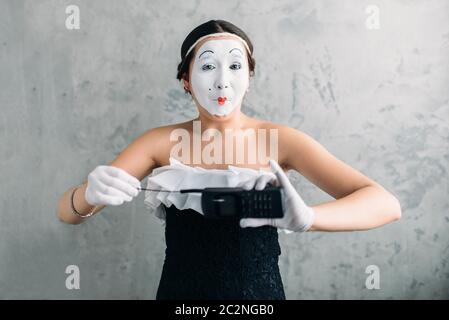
(232, 203)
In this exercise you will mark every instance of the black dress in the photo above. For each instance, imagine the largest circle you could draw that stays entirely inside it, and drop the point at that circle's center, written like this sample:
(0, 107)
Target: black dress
(217, 259)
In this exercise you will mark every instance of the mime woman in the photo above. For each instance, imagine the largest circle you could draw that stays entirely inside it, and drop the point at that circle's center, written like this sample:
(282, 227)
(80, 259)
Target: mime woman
(232, 259)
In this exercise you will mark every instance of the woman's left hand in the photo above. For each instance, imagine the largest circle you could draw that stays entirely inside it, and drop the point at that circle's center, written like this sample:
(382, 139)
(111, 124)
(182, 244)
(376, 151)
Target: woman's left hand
(297, 215)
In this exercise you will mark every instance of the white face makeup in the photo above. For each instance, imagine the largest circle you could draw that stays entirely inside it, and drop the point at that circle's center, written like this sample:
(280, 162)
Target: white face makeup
(220, 75)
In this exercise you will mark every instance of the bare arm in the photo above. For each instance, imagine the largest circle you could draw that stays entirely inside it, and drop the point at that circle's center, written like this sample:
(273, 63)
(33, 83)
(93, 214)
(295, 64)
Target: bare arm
(361, 202)
(137, 159)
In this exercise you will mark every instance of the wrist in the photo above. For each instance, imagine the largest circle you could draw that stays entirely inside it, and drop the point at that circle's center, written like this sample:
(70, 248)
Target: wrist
(79, 204)
(84, 191)
(312, 226)
(308, 219)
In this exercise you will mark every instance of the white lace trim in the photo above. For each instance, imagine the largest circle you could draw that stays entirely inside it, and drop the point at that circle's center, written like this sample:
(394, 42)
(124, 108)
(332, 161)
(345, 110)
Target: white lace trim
(177, 176)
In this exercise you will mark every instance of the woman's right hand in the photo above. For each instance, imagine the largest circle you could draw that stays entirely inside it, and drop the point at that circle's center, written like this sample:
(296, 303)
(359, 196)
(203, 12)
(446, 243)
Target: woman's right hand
(108, 185)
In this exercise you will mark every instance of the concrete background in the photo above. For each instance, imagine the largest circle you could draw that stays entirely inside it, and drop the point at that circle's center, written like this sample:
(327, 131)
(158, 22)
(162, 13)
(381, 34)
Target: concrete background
(73, 99)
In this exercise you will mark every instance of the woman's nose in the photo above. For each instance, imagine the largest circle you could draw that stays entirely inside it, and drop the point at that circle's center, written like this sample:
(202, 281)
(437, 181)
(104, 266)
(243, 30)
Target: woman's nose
(221, 86)
(222, 81)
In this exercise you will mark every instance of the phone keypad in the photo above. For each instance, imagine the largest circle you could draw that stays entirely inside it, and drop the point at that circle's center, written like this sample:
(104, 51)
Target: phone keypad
(257, 203)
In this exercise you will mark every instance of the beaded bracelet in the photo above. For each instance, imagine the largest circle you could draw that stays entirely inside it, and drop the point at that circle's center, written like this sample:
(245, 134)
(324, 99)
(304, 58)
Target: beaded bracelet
(76, 212)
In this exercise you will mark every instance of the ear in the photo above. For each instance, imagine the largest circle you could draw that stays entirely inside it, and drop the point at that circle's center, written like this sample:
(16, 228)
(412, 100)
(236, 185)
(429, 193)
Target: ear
(186, 84)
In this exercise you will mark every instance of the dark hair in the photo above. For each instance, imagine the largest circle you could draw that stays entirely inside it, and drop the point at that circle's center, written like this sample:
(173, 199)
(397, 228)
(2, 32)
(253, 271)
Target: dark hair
(209, 27)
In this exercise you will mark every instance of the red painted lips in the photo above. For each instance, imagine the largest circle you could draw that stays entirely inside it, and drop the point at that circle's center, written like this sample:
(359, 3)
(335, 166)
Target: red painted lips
(221, 100)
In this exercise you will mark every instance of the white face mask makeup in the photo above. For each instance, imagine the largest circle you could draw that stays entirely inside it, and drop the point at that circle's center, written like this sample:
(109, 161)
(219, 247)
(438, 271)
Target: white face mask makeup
(220, 75)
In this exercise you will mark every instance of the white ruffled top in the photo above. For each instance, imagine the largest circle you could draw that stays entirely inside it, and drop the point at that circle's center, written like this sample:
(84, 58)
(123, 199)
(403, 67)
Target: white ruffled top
(177, 176)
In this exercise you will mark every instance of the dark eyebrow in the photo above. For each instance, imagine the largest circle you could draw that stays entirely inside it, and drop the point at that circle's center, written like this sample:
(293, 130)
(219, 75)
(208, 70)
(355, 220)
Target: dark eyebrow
(236, 49)
(204, 52)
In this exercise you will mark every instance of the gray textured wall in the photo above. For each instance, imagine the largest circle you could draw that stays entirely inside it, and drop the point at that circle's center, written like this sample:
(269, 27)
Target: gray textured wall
(73, 99)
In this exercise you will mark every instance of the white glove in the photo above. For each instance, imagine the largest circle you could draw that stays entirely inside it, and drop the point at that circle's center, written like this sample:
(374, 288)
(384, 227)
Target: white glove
(297, 215)
(260, 182)
(108, 185)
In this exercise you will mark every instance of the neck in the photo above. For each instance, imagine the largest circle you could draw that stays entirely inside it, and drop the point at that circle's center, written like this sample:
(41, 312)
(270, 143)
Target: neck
(235, 120)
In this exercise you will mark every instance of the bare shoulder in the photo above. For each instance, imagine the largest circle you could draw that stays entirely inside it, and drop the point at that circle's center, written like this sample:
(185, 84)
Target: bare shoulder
(163, 132)
(283, 129)
(287, 137)
(160, 135)
(158, 141)
(144, 153)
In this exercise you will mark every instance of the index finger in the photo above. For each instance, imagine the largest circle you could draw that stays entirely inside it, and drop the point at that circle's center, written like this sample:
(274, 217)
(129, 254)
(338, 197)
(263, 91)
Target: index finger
(280, 174)
(123, 175)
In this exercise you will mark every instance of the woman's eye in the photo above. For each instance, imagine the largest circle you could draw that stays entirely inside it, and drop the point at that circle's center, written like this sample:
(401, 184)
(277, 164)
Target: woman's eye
(208, 67)
(236, 66)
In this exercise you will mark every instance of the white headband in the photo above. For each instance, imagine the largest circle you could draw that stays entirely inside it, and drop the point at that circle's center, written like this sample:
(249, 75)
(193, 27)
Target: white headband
(218, 35)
